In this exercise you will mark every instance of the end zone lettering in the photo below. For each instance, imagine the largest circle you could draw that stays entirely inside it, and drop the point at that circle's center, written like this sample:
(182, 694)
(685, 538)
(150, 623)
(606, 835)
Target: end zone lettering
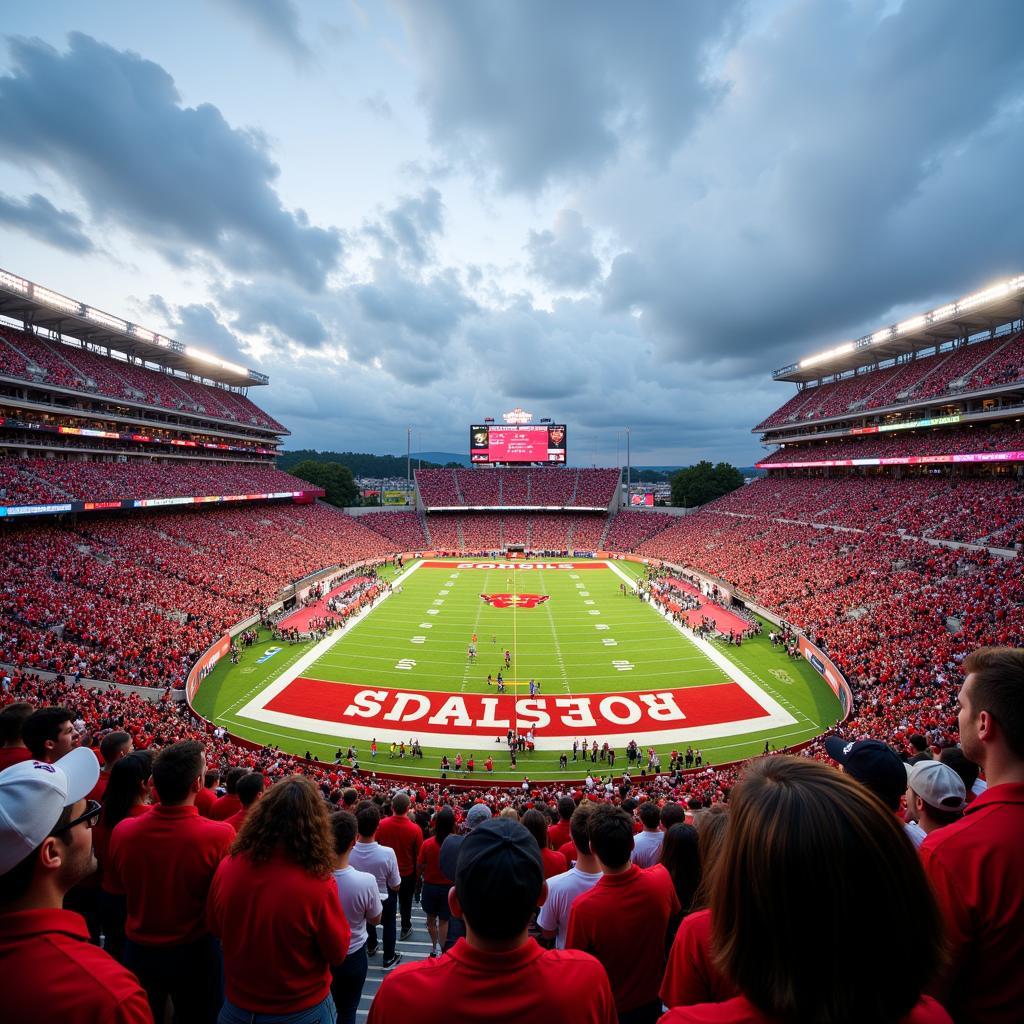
(555, 716)
(506, 566)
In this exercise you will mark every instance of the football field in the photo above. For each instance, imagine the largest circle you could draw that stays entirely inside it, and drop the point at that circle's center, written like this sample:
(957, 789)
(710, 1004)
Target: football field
(586, 660)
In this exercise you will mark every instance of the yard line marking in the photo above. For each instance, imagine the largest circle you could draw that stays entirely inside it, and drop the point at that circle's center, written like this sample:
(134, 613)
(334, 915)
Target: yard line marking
(476, 629)
(554, 634)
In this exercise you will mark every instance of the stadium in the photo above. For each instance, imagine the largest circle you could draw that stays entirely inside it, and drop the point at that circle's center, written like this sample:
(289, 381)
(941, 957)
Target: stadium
(512, 510)
(881, 545)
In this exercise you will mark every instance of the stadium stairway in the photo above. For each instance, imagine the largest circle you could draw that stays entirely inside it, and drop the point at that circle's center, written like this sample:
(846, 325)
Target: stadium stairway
(426, 528)
(416, 947)
(607, 527)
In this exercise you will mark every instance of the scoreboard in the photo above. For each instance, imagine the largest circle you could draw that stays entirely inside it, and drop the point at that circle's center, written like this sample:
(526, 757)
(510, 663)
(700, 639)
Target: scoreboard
(544, 442)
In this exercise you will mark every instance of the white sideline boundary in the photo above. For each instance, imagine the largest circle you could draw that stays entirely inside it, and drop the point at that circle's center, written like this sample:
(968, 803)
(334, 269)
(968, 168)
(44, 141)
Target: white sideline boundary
(730, 668)
(256, 710)
(282, 682)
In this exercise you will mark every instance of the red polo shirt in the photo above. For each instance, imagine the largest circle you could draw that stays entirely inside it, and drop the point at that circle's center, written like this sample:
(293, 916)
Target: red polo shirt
(569, 852)
(101, 842)
(430, 862)
(525, 984)
(205, 799)
(623, 921)
(13, 755)
(691, 976)
(281, 929)
(50, 971)
(97, 791)
(559, 834)
(224, 806)
(554, 863)
(236, 820)
(741, 1011)
(164, 862)
(405, 837)
(976, 868)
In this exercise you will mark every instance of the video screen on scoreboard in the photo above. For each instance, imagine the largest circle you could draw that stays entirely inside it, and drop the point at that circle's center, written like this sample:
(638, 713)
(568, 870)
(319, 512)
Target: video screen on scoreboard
(544, 442)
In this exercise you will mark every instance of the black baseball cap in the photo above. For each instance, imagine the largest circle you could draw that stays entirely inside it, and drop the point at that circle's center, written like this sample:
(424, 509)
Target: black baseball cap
(872, 763)
(499, 876)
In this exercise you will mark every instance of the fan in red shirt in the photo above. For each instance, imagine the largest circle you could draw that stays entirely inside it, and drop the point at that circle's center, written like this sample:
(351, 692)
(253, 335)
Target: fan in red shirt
(976, 864)
(207, 796)
(228, 804)
(560, 834)
(163, 862)
(497, 973)
(434, 899)
(48, 968)
(276, 891)
(12, 718)
(405, 837)
(250, 788)
(624, 918)
(803, 836)
(126, 796)
(113, 747)
(536, 823)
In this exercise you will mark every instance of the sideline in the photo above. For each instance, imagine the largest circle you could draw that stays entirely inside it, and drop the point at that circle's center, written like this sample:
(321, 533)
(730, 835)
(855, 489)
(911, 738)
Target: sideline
(290, 675)
(779, 714)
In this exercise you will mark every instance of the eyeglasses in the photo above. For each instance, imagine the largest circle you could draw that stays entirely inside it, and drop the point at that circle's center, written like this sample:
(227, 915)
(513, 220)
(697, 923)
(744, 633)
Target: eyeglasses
(93, 809)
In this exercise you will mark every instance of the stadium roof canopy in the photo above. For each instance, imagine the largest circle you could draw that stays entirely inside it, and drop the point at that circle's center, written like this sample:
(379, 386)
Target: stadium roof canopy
(33, 304)
(983, 311)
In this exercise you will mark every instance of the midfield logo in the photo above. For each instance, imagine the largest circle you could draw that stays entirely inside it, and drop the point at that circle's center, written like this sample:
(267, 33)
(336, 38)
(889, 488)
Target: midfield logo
(515, 600)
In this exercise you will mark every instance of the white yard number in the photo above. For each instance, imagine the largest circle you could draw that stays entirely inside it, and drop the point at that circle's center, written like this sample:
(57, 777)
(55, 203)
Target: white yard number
(609, 642)
(623, 666)
(406, 663)
(419, 639)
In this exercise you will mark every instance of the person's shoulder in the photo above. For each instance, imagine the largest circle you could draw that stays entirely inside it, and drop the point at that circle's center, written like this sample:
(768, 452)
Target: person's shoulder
(927, 1011)
(418, 975)
(574, 958)
(102, 978)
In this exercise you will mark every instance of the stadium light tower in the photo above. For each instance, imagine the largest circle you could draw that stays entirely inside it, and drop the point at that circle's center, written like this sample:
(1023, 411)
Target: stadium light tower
(408, 458)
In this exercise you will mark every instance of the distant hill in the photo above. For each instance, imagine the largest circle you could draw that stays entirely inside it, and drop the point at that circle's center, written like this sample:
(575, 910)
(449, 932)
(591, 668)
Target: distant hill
(361, 464)
(438, 458)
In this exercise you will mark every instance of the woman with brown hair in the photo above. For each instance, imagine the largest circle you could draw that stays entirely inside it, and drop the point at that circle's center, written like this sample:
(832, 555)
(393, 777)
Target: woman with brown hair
(691, 975)
(274, 906)
(810, 898)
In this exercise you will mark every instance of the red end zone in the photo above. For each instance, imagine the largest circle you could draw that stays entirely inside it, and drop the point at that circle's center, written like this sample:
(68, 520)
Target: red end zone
(513, 565)
(488, 715)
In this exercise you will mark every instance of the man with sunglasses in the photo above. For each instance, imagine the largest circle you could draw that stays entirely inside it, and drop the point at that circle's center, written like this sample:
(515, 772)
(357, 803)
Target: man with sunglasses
(48, 968)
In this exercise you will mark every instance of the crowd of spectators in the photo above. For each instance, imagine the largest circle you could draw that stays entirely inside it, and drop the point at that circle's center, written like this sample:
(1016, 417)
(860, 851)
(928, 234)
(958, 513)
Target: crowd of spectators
(644, 902)
(404, 528)
(905, 444)
(978, 365)
(504, 488)
(69, 366)
(38, 481)
(956, 508)
(136, 600)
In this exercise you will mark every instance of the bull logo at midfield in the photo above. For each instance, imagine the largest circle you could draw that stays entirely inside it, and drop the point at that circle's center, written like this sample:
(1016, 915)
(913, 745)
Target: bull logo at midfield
(515, 600)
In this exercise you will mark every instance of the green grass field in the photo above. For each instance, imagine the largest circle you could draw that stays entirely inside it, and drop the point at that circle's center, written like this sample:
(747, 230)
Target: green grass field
(585, 638)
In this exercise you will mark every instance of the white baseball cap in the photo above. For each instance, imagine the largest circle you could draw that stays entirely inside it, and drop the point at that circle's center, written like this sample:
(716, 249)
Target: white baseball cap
(33, 795)
(938, 785)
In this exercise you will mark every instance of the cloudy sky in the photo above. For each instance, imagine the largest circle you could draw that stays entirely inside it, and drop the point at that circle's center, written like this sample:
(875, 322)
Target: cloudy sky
(416, 212)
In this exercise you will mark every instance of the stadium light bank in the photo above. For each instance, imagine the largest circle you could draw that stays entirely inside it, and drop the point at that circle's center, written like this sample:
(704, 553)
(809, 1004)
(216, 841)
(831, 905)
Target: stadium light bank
(991, 294)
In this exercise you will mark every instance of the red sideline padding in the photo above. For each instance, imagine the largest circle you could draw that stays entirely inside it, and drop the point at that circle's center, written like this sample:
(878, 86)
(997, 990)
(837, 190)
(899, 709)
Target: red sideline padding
(724, 621)
(301, 619)
(489, 714)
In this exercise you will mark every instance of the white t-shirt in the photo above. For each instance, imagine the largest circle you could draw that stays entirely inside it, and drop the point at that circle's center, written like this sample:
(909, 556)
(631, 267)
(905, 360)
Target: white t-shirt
(915, 833)
(562, 892)
(379, 861)
(360, 900)
(647, 848)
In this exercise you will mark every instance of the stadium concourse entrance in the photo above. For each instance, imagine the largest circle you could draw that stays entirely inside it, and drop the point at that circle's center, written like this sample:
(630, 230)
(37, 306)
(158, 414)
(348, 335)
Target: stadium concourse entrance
(515, 550)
